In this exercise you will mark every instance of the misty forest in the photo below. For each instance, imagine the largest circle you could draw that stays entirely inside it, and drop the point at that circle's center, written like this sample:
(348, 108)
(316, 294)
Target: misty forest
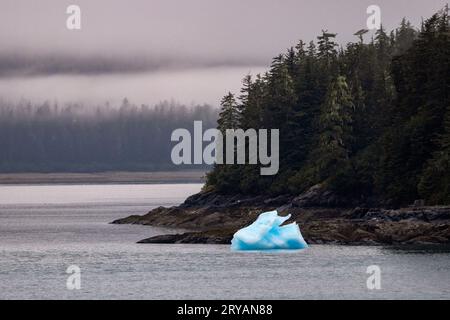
(370, 120)
(78, 138)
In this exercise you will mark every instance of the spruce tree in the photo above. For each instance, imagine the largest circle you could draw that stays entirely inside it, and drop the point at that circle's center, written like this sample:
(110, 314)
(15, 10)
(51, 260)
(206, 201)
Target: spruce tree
(368, 120)
(229, 116)
(335, 141)
(279, 105)
(327, 46)
(225, 178)
(434, 185)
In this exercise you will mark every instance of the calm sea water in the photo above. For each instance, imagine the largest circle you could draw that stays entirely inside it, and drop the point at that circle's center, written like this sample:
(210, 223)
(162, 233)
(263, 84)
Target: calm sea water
(45, 229)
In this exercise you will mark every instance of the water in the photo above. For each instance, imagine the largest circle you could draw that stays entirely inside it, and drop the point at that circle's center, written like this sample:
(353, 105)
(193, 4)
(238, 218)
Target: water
(45, 229)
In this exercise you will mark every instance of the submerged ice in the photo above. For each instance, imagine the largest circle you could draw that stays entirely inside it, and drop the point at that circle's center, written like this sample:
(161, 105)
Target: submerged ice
(267, 233)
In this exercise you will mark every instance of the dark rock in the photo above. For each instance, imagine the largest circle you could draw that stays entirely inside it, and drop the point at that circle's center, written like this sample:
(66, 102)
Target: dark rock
(278, 201)
(217, 236)
(284, 209)
(419, 203)
(357, 213)
(134, 219)
(164, 238)
(213, 218)
(319, 196)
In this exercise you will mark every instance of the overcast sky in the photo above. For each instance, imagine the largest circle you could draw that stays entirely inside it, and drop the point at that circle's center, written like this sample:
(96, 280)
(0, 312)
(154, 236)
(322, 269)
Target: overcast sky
(152, 50)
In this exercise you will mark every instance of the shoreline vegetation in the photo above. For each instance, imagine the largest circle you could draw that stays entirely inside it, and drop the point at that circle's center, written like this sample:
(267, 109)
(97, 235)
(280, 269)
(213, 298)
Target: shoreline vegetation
(120, 177)
(364, 144)
(369, 120)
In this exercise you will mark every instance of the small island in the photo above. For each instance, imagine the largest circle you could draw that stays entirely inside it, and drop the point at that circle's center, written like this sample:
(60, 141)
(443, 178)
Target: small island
(364, 144)
(215, 218)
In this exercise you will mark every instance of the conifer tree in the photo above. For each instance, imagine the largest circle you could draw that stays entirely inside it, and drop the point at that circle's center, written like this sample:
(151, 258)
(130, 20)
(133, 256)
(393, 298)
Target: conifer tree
(225, 177)
(336, 128)
(367, 120)
(229, 116)
(434, 185)
(327, 46)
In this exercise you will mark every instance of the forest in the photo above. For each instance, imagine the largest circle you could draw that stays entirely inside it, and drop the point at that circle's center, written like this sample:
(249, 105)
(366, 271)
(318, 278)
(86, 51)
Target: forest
(369, 120)
(74, 137)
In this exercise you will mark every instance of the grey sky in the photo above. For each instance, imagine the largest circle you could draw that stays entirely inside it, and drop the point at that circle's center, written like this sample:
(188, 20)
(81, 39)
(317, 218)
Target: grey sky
(150, 50)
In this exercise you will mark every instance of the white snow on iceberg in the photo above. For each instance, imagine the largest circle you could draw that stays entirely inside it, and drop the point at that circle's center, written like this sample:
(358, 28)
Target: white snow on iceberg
(266, 233)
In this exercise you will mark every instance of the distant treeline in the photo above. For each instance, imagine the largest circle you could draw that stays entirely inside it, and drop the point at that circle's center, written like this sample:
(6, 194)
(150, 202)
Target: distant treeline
(370, 120)
(47, 137)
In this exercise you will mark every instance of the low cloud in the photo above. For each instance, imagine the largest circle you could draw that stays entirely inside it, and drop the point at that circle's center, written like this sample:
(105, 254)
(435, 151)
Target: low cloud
(22, 65)
(196, 86)
(153, 50)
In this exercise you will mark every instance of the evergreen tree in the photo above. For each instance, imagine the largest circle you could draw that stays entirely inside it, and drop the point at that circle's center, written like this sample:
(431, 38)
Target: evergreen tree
(421, 81)
(383, 47)
(434, 184)
(278, 112)
(404, 37)
(229, 116)
(367, 120)
(225, 177)
(327, 47)
(327, 55)
(336, 128)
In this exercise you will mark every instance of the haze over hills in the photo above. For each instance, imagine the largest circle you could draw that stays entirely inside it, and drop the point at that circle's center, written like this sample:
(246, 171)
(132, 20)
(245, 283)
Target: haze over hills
(77, 138)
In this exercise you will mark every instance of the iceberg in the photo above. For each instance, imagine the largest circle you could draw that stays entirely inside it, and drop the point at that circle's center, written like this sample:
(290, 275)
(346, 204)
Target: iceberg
(267, 233)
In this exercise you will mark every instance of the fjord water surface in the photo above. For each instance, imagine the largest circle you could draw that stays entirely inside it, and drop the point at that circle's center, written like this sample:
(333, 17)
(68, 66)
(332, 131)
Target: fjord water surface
(44, 229)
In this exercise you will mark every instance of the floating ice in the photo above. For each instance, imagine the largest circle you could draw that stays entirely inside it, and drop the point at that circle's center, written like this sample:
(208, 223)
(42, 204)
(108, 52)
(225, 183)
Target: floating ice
(266, 233)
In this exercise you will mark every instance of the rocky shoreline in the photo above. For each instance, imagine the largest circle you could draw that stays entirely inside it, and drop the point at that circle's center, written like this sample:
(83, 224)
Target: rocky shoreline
(212, 218)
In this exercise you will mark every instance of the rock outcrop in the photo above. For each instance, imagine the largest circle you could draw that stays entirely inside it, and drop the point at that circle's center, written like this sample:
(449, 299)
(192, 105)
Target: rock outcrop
(214, 218)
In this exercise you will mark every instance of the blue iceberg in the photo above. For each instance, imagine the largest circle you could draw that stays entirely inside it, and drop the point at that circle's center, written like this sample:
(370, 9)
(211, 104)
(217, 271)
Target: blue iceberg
(266, 233)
